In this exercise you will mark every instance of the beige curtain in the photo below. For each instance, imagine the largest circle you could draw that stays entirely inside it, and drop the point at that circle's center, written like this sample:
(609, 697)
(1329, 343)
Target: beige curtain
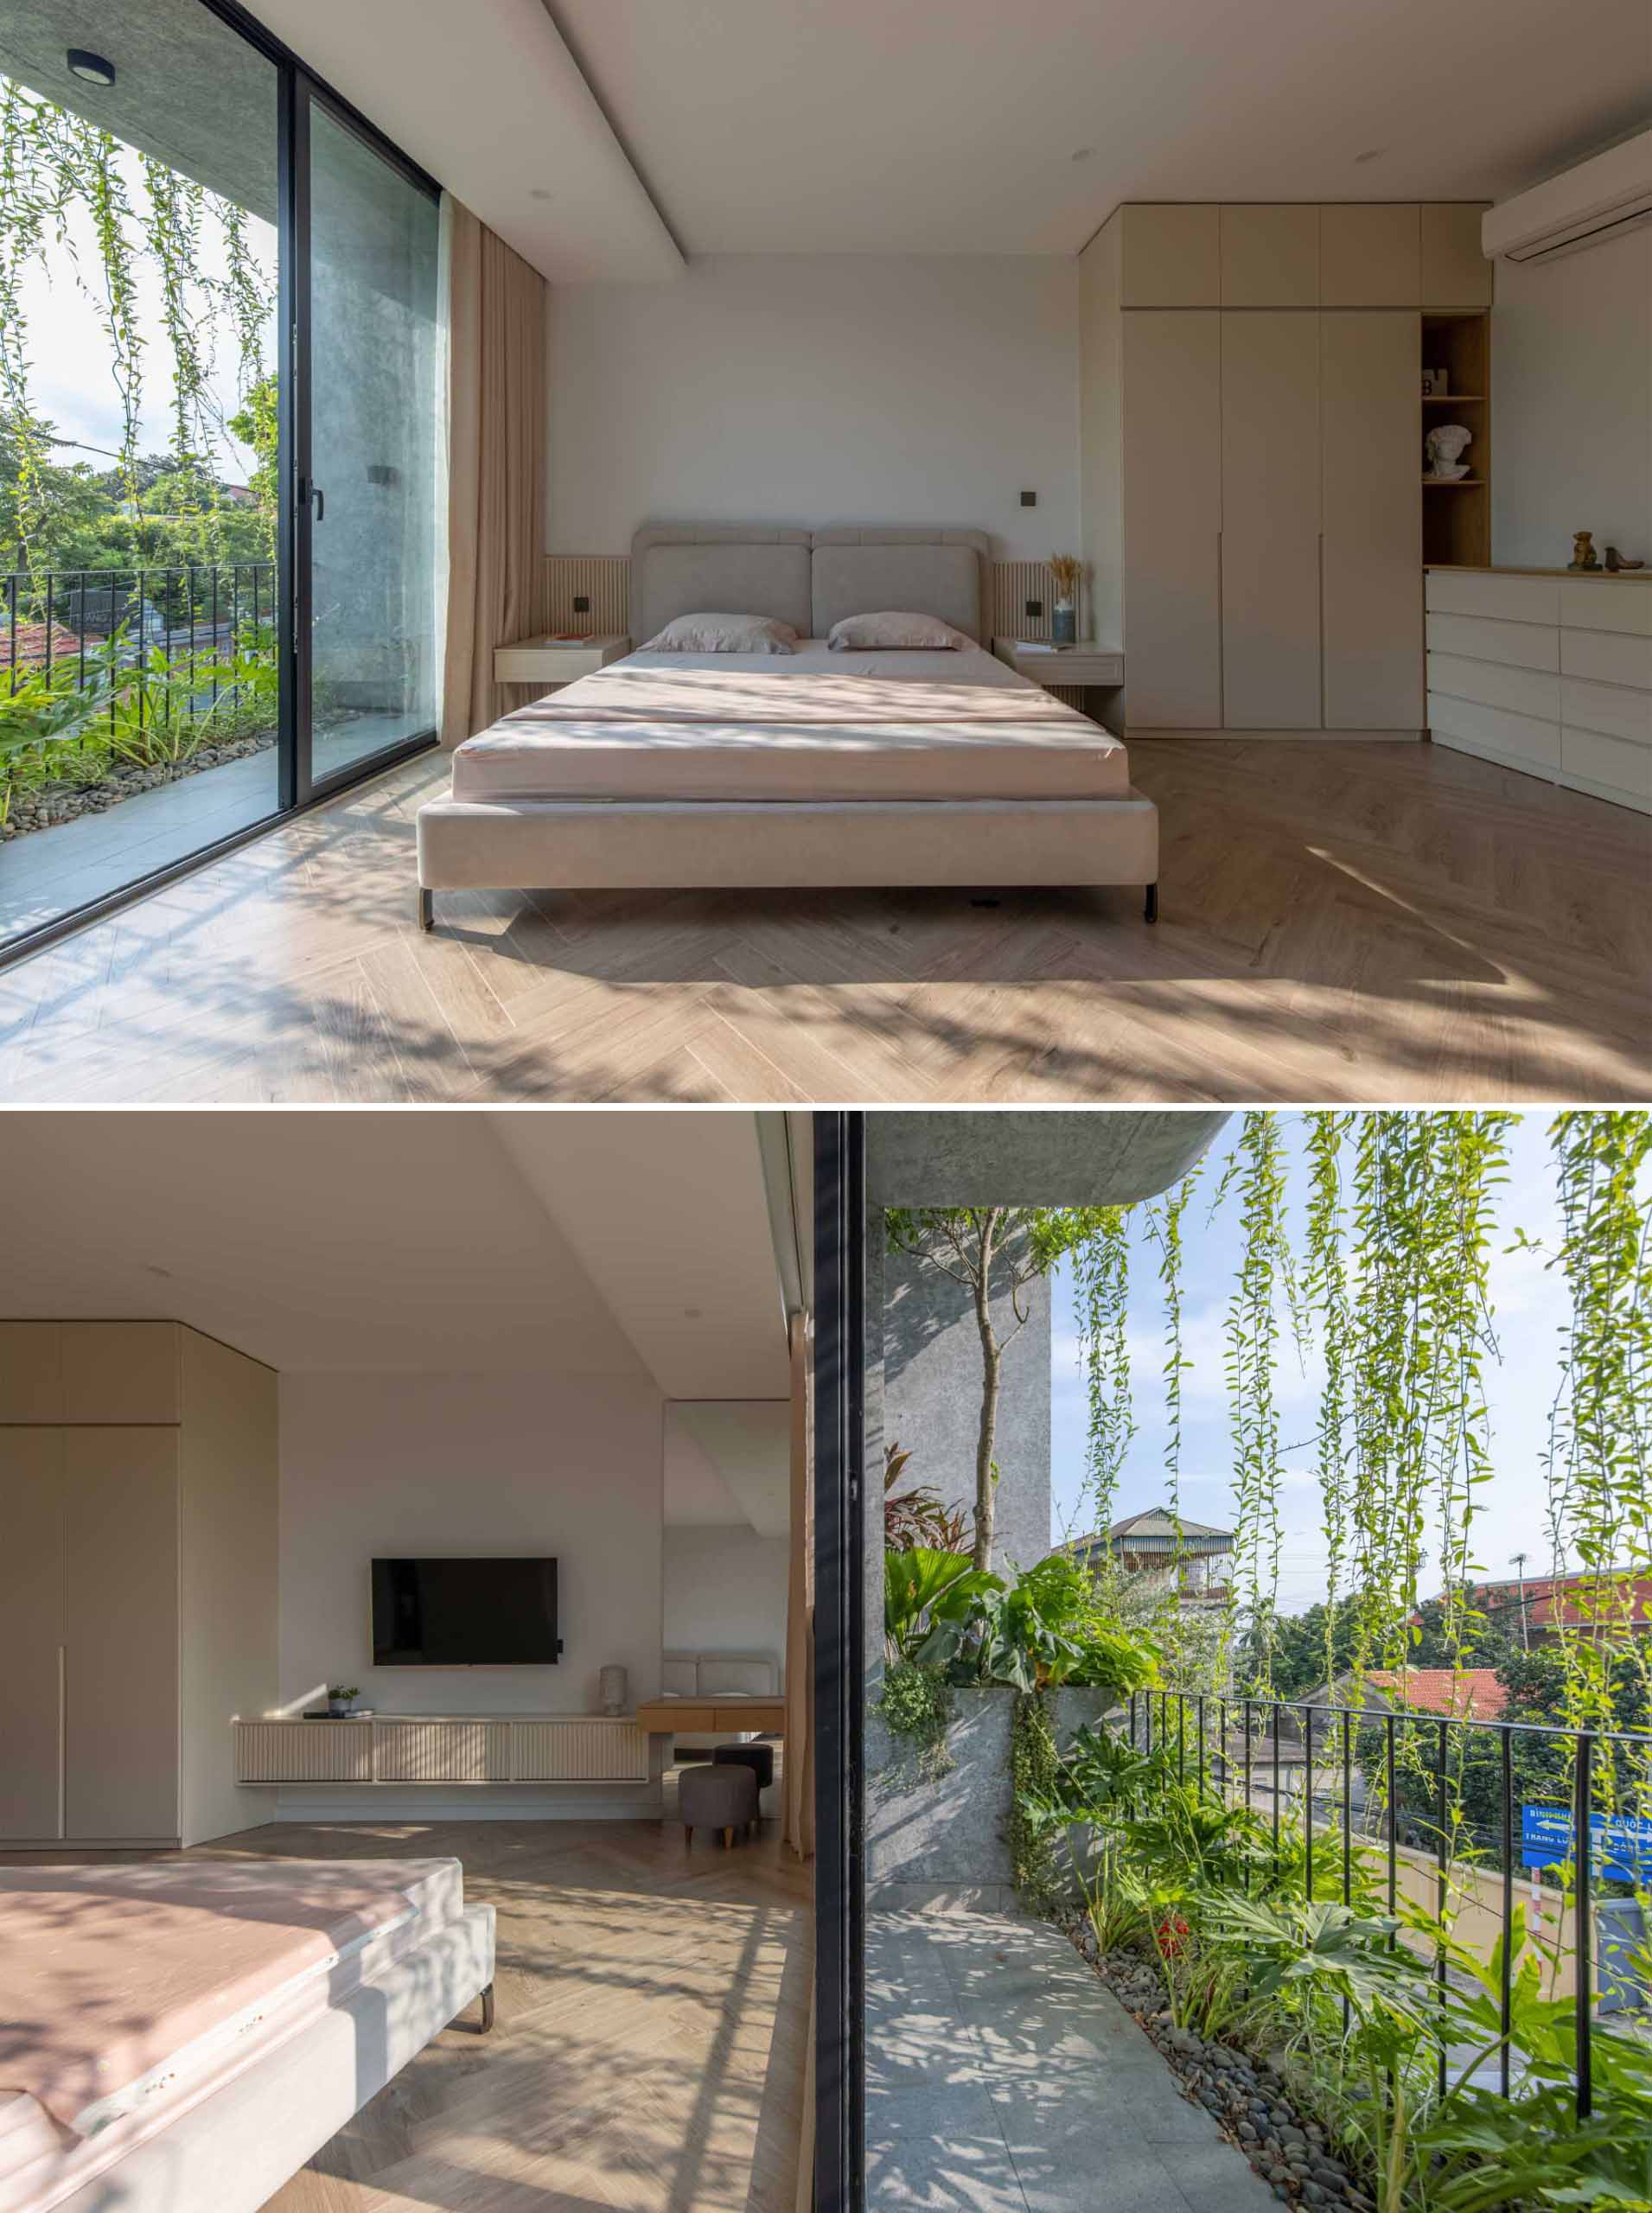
(799, 1603)
(495, 463)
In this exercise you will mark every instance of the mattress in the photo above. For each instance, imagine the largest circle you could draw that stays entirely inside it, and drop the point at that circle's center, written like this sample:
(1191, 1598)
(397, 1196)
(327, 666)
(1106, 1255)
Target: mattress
(133, 1991)
(813, 725)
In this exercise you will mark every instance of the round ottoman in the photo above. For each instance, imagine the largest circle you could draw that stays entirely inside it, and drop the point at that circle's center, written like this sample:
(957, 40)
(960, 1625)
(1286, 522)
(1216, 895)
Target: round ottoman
(760, 1758)
(716, 1798)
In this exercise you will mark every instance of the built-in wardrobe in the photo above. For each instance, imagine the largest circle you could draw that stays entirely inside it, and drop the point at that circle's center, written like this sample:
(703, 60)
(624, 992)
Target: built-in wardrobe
(137, 1580)
(1252, 436)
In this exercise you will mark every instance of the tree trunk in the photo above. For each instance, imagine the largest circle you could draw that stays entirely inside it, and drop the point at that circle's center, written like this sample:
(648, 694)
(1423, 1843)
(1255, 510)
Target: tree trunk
(991, 1362)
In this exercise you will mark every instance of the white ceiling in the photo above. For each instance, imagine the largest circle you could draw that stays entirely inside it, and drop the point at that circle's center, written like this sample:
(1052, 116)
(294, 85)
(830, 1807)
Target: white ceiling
(484, 95)
(787, 126)
(405, 1242)
(669, 1215)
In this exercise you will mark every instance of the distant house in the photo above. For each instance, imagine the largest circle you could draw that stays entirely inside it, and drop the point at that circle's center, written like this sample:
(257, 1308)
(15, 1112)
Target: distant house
(1550, 1602)
(26, 646)
(1168, 1550)
(1464, 1693)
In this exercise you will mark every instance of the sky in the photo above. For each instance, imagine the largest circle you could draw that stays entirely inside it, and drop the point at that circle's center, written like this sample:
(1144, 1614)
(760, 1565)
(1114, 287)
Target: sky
(1529, 1310)
(71, 382)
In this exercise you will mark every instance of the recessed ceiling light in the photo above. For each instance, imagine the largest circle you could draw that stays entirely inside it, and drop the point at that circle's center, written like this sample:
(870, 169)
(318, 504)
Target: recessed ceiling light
(539, 192)
(691, 1313)
(155, 1269)
(1084, 153)
(1371, 154)
(90, 69)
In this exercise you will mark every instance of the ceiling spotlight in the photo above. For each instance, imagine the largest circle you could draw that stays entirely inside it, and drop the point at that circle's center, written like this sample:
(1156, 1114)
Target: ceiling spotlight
(1084, 153)
(90, 69)
(1370, 154)
(537, 192)
(156, 1269)
(691, 1313)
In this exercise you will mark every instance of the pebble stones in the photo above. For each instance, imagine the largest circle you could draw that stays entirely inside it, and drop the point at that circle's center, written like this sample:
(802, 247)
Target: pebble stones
(1246, 2097)
(48, 805)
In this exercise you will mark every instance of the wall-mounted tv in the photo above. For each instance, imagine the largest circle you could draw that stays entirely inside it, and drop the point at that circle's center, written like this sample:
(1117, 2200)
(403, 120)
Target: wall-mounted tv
(465, 1613)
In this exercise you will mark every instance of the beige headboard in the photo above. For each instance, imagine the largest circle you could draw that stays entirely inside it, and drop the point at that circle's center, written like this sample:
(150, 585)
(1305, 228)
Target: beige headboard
(810, 579)
(717, 569)
(942, 572)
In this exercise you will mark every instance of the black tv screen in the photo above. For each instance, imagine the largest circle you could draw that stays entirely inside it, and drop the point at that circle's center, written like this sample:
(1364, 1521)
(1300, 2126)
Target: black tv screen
(464, 1613)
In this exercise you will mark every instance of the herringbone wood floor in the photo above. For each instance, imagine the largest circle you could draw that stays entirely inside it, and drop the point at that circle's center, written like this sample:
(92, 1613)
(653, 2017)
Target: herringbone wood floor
(1340, 921)
(647, 2052)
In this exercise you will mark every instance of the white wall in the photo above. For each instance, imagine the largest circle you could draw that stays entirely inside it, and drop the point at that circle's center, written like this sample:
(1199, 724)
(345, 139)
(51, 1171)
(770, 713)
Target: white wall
(819, 389)
(380, 1464)
(725, 1591)
(1571, 404)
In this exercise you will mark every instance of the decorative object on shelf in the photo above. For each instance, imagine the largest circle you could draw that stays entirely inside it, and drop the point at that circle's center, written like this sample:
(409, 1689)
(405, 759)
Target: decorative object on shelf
(1614, 560)
(1584, 555)
(1436, 384)
(1067, 573)
(341, 1699)
(1445, 445)
(614, 1681)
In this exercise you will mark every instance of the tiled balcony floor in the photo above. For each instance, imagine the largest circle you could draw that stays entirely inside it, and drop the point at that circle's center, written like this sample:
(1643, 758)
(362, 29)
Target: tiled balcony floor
(1002, 2078)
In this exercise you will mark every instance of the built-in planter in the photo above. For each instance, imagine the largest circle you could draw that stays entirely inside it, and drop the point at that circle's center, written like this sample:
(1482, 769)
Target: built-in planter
(949, 1835)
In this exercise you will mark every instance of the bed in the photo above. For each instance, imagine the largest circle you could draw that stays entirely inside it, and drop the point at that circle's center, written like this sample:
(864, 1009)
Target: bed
(182, 2035)
(667, 770)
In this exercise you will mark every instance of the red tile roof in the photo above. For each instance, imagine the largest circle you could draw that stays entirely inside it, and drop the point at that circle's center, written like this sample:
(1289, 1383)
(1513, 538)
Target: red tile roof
(31, 643)
(1470, 1691)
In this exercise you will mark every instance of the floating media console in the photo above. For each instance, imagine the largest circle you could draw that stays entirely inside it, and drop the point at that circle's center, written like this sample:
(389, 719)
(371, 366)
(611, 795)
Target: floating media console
(444, 1748)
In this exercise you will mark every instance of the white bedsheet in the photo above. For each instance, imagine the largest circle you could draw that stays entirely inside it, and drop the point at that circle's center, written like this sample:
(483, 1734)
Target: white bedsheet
(813, 725)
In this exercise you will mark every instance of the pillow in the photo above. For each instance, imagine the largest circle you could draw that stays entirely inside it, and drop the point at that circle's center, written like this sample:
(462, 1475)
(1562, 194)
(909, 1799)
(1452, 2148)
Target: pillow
(679, 1678)
(724, 633)
(726, 1676)
(888, 630)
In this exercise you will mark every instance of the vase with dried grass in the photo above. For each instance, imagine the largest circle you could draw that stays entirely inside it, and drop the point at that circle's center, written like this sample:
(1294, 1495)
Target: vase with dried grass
(1067, 573)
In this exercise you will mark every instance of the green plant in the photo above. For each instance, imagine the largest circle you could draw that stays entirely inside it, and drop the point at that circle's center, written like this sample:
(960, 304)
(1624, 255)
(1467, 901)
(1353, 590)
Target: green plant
(929, 1599)
(916, 1704)
(919, 1516)
(1047, 1630)
(1033, 1767)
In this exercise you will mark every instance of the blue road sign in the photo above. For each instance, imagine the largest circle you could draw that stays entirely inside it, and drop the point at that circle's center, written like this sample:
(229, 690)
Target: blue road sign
(1622, 1847)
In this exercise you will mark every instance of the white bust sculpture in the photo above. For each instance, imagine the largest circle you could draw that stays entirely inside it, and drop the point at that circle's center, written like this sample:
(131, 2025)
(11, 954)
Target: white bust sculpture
(1446, 443)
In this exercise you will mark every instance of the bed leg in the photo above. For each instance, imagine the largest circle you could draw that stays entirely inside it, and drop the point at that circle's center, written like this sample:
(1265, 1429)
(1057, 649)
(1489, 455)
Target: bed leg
(426, 909)
(1149, 905)
(487, 2009)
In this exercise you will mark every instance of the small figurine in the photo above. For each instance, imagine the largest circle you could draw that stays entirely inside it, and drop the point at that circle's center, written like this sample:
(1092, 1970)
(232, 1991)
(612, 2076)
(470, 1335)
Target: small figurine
(1584, 555)
(1446, 446)
(1615, 561)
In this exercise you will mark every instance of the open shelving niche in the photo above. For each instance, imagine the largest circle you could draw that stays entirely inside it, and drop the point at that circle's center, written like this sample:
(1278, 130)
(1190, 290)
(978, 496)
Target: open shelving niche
(1457, 532)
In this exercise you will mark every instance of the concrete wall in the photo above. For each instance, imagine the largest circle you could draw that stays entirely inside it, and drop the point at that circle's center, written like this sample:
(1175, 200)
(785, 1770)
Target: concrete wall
(932, 1399)
(379, 1464)
(724, 1591)
(818, 389)
(1571, 404)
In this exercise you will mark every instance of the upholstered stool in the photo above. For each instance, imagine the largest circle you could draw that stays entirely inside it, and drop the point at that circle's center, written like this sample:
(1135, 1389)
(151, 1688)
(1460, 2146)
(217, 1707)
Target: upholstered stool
(716, 1798)
(760, 1758)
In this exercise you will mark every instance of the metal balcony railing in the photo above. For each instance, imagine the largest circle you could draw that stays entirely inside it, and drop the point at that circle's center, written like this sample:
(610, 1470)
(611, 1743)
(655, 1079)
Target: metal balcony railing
(92, 620)
(1403, 1762)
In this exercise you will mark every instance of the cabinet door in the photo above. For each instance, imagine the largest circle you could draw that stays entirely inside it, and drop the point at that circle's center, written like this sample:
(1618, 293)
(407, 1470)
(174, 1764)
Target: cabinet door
(121, 1713)
(1456, 273)
(1371, 416)
(1270, 255)
(1172, 476)
(1270, 521)
(1370, 255)
(121, 1372)
(31, 1632)
(1172, 255)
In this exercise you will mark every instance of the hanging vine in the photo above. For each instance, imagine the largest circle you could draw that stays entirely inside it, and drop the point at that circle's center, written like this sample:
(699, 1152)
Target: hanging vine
(1599, 1458)
(1101, 1282)
(1164, 1222)
(1251, 1333)
(1325, 1295)
(56, 166)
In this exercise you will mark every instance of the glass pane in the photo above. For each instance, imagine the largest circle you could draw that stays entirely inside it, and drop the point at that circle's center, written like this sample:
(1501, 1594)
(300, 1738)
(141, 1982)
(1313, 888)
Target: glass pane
(373, 388)
(138, 673)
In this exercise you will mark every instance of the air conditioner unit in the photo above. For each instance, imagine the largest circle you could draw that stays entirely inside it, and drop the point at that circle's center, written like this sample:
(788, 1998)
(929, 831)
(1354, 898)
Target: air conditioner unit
(1599, 200)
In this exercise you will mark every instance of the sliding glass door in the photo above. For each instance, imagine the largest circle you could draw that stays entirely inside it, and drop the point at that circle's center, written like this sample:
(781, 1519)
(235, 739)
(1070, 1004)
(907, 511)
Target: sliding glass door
(220, 379)
(365, 479)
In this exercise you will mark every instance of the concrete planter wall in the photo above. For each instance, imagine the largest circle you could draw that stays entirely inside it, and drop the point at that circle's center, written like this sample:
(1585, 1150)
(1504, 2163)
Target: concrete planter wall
(947, 1839)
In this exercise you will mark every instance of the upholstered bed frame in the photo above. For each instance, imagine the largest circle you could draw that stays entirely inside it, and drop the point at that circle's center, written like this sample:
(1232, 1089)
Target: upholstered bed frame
(810, 579)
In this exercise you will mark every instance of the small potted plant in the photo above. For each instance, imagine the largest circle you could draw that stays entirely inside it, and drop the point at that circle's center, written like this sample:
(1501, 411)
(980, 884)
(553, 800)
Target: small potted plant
(1066, 570)
(340, 1698)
